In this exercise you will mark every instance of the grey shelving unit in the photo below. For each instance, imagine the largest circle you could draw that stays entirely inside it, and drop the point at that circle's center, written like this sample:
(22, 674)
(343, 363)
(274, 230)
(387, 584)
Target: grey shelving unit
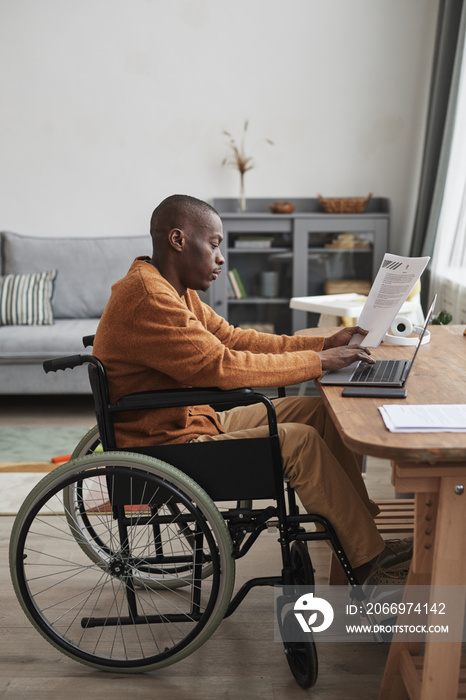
(299, 248)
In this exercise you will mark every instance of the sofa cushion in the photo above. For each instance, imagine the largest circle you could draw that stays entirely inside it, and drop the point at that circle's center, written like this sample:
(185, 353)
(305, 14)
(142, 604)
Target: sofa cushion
(87, 267)
(26, 299)
(20, 344)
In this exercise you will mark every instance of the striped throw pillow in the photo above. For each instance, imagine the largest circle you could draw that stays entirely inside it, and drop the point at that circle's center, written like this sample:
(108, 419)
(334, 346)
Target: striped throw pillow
(26, 299)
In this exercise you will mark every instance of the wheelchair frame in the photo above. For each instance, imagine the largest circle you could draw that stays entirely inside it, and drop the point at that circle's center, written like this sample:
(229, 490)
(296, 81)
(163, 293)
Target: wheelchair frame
(181, 484)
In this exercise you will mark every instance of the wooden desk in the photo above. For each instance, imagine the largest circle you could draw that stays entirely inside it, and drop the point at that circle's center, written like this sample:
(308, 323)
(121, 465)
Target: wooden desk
(433, 466)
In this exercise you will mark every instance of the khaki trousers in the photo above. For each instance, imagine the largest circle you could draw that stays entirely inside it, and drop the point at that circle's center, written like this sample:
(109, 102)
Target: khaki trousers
(324, 473)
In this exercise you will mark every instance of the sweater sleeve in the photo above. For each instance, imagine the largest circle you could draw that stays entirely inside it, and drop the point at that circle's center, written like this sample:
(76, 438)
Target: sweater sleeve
(169, 336)
(252, 340)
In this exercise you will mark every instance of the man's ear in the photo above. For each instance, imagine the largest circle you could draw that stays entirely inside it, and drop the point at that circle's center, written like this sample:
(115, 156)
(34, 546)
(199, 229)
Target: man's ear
(176, 239)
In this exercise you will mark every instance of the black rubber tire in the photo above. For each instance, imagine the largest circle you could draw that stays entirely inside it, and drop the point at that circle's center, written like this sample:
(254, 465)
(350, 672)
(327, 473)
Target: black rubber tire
(60, 589)
(303, 571)
(300, 654)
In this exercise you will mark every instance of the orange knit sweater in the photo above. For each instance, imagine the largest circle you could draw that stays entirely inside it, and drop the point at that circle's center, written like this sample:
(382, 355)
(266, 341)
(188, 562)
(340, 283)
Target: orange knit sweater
(149, 338)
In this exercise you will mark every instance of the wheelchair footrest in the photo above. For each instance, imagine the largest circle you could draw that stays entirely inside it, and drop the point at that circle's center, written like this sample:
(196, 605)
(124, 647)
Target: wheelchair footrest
(88, 622)
(312, 536)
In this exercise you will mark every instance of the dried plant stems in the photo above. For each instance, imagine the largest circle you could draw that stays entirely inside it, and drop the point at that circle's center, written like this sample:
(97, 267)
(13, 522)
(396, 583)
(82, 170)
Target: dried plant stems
(239, 160)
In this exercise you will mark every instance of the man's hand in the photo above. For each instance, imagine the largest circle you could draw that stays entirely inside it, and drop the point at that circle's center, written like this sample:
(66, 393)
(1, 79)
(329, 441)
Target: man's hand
(336, 358)
(343, 337)
(337, 353)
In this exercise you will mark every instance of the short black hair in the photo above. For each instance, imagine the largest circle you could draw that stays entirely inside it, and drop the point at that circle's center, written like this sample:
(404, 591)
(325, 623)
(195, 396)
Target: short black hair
(175, 211)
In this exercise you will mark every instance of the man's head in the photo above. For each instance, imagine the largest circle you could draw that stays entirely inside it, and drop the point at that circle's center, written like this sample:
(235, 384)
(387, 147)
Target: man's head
(186, 234)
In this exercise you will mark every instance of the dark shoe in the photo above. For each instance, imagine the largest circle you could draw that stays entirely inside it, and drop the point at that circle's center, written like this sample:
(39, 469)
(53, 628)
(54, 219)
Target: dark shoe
(393, 575)
(395, 552)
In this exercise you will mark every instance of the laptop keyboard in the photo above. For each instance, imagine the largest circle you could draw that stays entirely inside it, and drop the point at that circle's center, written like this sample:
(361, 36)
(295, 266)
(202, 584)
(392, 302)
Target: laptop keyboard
(382, 371)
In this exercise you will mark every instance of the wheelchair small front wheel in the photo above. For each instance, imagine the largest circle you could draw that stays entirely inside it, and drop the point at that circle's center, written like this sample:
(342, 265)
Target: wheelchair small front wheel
(301, 654)
(102, 613)
(303, 571)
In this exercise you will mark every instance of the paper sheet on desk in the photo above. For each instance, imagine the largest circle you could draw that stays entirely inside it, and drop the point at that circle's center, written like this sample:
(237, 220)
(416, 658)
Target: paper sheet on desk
(433, 418)
(395, 279)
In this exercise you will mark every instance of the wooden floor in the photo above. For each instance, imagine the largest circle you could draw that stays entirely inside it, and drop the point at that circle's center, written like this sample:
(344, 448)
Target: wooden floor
(240, 660)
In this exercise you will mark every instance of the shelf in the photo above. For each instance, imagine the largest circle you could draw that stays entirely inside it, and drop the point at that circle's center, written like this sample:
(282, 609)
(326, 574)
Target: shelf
(286, 252)
(264, 251)
(259, 207)
(322, 249)
(297, 253)
(260, 300)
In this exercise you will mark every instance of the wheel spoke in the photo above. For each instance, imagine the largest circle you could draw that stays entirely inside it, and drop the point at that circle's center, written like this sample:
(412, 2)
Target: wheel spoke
(117, 608)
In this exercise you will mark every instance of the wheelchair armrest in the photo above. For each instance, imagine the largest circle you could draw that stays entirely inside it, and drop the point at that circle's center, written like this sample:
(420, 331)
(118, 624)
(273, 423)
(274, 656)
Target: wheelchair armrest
(146, 400)
(182, 397)
(195, 397)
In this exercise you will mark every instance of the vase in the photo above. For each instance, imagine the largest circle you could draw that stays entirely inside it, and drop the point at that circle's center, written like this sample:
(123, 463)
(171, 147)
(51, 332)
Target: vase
(242, 195)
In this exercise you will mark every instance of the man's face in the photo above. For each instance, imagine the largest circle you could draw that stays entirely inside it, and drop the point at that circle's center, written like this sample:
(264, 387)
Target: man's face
(202, 259)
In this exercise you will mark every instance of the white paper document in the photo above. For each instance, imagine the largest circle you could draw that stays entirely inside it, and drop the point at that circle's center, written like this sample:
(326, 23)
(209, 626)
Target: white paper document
(433, 418)
(395, 279)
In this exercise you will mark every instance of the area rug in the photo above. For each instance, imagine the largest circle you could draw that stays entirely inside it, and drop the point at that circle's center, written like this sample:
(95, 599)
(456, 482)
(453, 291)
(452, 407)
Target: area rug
(26, 454)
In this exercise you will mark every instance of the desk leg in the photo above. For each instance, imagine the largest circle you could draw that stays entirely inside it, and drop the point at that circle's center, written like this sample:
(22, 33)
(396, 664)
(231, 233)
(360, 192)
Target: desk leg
(442, 659)
(444, 516)
(393, 686)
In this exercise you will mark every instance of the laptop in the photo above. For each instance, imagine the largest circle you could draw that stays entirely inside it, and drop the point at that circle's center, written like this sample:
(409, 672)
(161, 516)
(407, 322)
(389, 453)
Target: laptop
(384, 373)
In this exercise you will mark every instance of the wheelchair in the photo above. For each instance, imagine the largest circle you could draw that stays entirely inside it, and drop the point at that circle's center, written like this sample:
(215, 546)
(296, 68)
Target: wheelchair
(121, 558)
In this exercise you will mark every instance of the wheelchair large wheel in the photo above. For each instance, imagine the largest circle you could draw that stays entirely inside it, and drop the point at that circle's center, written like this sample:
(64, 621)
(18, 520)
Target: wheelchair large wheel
(101, 613)
(88, 443)
(93, 538)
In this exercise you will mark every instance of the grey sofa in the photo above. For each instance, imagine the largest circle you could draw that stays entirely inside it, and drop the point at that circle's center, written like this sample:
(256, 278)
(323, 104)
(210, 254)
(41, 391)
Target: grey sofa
(86, 269)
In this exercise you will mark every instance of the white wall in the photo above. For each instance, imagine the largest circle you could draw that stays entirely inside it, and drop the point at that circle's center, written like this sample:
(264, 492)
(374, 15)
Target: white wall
(110, 105)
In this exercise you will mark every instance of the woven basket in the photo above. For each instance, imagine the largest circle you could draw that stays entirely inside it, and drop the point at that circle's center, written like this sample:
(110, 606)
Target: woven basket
(344, 205)
(282, 207)
(347, 287)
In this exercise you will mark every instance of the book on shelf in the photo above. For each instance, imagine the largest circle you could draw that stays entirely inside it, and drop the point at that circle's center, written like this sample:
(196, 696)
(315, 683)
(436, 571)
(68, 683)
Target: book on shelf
(234, 285)
(237, 284)
(251, 242)
(230, 291)
(240, 283)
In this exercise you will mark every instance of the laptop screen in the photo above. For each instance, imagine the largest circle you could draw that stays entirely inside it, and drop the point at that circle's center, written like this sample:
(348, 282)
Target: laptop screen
(421, 336)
